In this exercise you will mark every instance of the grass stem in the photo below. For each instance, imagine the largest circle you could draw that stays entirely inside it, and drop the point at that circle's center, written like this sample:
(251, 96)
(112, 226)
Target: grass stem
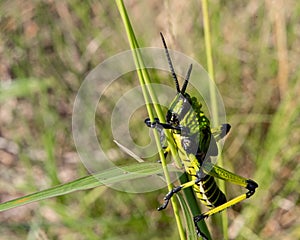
(214, 106)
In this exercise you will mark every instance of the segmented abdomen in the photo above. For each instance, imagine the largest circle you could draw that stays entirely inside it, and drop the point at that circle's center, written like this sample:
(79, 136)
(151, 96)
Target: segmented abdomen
(207, 190)
(209, 193)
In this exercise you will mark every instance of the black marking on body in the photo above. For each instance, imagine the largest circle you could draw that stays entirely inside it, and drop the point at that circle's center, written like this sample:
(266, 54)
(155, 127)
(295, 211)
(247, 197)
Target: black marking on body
(213, 195)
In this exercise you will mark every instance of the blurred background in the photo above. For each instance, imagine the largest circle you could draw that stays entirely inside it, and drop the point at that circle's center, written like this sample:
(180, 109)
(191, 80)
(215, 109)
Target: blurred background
(48, 47)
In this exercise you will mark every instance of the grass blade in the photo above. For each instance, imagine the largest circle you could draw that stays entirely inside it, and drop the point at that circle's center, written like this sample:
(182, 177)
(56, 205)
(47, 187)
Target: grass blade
(215, 120)
(145, 79)
(191, 231)
(110, 176)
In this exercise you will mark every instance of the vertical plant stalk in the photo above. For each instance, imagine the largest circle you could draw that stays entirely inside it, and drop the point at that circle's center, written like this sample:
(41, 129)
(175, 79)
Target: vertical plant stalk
(278, 19)
(215, 120)
(148, 92)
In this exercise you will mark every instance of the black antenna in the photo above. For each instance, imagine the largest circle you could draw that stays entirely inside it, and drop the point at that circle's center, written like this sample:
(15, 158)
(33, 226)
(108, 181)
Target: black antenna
(170, 63)
(186, 81)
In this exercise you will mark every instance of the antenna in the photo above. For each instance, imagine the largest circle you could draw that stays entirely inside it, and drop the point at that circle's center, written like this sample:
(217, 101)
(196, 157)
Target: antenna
(186, 81)
(170, 63)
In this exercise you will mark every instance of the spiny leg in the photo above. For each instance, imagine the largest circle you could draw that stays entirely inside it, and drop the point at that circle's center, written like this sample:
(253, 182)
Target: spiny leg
(176, 190)
(225, 175)
(170, 194)
(160, 126)
(168, 197)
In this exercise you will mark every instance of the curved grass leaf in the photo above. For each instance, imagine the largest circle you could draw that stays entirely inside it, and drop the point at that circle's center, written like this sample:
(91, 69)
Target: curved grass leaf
(109, 176)
(190, 228)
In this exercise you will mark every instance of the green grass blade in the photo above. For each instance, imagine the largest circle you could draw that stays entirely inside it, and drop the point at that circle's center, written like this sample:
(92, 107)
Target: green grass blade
(145, 79)
(191, 231)
(215, 120)
(110, 176)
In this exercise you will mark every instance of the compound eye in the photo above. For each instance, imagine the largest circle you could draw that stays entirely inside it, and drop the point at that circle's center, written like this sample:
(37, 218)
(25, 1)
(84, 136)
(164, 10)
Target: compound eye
(172, 117)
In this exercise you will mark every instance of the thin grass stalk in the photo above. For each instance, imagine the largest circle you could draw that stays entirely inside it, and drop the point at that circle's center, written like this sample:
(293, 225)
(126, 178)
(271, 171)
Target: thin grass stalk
(210, 68)
(145, 79)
